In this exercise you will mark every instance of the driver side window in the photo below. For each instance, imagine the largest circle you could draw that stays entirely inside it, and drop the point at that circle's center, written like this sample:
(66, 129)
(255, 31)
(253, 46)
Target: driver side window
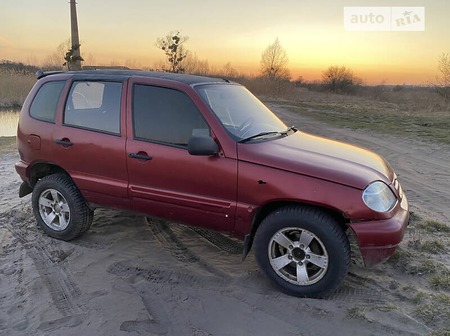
(165, 116)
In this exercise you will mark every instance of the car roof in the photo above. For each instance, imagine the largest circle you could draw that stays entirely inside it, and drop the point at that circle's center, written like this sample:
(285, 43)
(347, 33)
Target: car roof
(125, 74)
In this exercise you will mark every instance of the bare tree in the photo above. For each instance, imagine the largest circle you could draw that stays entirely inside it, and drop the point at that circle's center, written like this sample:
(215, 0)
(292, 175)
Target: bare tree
(172, 45)
(443, 86)
(340, 79)
(55, 61)
(229, 71)
(64, 56)
(274, 62)
(90, 60)
(193, 65)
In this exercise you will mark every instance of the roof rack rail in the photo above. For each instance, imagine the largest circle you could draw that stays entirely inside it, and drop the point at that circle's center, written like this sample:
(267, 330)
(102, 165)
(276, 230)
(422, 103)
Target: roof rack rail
(40, 73)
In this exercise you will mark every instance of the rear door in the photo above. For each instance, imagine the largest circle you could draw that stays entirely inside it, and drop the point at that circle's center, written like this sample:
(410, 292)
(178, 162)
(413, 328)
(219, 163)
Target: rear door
(164, 179)
(90, 144)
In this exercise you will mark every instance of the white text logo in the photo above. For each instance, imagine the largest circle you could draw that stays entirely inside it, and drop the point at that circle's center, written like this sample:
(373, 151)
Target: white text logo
(384, 18)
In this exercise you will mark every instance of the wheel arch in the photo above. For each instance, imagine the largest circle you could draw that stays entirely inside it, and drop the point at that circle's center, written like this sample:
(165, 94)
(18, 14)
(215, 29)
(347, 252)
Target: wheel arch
(41, 169)
(270, 207)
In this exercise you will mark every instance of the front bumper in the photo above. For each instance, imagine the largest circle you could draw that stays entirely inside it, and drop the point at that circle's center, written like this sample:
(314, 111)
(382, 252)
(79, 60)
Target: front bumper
(378, 240)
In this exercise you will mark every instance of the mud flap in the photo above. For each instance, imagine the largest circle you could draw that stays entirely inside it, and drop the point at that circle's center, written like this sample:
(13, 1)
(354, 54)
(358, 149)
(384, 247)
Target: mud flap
(248, 242)
(25, 189)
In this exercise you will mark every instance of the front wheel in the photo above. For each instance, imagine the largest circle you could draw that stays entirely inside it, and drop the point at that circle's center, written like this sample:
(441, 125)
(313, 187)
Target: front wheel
(59, 207)
(303, 250)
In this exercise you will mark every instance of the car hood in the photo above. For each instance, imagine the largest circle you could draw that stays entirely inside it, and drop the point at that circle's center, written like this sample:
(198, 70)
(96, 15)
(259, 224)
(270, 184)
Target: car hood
(318, 157)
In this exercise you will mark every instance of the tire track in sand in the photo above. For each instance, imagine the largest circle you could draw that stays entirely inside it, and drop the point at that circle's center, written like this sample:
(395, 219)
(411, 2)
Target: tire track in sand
(47, 255)
(172, 244)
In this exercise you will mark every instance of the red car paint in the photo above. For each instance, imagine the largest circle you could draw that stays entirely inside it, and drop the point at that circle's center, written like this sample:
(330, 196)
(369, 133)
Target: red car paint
(228, 192)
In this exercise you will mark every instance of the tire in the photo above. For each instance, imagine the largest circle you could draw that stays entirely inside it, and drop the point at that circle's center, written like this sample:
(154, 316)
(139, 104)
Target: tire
(303, 250)
(59, 207)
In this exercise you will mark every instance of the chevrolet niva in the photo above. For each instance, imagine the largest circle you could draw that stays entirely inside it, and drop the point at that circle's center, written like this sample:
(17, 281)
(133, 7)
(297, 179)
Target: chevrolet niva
(205, 152)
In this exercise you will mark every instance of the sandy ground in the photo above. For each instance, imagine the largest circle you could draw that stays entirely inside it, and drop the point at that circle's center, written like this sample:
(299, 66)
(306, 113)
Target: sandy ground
(134, 276)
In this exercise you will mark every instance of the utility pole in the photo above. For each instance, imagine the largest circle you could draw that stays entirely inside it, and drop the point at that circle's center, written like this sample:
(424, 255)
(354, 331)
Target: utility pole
(74, 62)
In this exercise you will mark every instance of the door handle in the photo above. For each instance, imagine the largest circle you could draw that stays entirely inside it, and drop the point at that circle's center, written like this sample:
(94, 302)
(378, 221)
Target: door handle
(64, 142)
(144, 157)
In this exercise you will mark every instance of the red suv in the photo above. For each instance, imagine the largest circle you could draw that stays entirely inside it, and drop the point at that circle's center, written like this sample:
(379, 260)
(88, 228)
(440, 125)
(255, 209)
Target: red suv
(205, 152)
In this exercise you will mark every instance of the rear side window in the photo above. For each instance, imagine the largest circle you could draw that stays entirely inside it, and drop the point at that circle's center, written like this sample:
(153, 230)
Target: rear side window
(46, 101)
(94, 106)
(165, 116)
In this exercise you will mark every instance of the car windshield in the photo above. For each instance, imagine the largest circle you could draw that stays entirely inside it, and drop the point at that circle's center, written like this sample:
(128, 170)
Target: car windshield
(241, 113)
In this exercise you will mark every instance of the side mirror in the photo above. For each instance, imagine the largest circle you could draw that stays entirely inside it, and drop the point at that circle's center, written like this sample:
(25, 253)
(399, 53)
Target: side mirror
(202, 145)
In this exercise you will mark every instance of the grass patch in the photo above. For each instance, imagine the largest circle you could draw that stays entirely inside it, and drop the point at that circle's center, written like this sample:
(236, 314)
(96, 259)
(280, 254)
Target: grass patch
(411, 260)
(409, 288)
(434, 309)
(395, 122)
(441, 281)
(401, 256)
(417, 113)
(433, 226)
(356, 313)
(432, 246)
(442, 332)
(421, 255)
(431, 313)
(419, 298)
(425, 266)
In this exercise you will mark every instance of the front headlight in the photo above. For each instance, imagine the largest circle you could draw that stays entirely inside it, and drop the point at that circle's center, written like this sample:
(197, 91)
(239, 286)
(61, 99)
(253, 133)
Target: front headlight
(379, 197)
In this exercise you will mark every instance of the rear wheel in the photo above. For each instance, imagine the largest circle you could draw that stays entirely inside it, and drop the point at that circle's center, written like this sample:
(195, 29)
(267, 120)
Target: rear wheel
(59, 207)
(303, 250)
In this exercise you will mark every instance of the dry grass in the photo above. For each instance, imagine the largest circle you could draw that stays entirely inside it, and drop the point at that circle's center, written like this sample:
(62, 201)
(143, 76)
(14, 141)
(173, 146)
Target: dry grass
(420, 267)
(441, 281)
(264, 87)
(387, 99)
(416, 112)
(14, 88)
(434, 226)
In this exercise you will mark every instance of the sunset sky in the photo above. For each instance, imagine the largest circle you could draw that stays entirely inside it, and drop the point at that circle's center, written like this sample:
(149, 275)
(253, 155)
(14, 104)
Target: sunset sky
(311, 31)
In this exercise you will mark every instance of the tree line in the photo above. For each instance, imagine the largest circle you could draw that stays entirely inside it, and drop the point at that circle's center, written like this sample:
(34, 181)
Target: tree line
(17, 67)
(273, 66)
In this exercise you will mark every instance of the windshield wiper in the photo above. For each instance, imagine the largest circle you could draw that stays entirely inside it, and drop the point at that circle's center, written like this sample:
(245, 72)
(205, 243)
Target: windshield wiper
(259, 135)
(263, 134)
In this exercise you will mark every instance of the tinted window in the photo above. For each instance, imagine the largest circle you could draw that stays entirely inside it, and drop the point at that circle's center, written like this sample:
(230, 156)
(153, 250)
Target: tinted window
(95, 106)
(46, 101)
(165, 116)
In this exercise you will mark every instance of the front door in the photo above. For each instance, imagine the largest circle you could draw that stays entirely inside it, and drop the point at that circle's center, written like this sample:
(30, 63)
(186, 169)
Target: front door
(164, 179)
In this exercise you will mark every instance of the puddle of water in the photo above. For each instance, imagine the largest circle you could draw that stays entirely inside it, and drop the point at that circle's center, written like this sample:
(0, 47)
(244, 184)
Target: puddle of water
(8, 122)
